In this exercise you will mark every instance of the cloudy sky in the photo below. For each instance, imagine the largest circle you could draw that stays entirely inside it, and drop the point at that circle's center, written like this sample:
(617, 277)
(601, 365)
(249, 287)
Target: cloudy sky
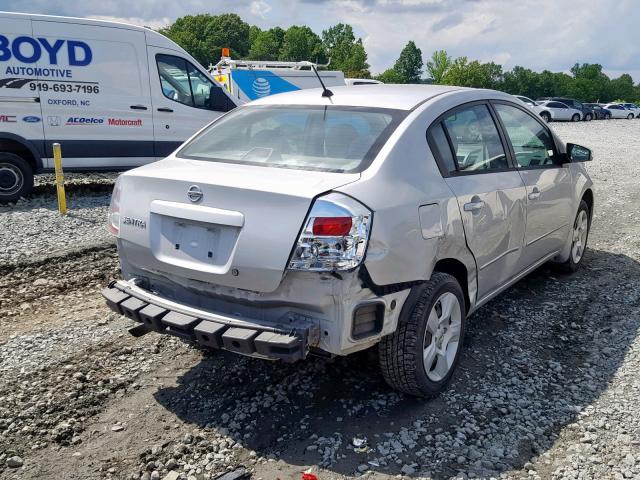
(539, 34)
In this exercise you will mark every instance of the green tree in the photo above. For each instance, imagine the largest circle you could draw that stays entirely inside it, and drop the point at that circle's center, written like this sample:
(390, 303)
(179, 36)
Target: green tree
(254, 31)
(623, 88)
(346, 53)
(267, 44)
(390, 76)
(438, 66)
(301, 43)
(409, 63)
(204, 35)
(521, 81)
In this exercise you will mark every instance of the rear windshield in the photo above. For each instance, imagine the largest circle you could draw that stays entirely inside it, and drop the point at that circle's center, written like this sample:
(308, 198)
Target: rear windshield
(326, 138)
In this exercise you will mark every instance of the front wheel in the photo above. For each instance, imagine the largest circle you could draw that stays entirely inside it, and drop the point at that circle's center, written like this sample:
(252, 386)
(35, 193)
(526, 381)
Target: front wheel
(579, 239)
(16, 177)
(587, 117)
(576, 117)
(419, 358)
(546, 116)
(607, 116)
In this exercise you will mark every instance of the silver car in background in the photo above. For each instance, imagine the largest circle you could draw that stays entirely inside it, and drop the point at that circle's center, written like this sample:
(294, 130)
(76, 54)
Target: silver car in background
(544, 113)
(329, 222)
(561, 111)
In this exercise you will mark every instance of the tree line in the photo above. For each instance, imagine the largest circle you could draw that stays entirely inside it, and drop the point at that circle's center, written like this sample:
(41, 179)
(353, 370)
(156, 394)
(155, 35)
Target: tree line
(204, 35)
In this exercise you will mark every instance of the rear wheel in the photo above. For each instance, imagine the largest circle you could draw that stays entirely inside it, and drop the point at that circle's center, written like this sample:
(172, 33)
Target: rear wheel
(576, 117)
(579, 239)
(419, 358)
(630, 116)
(16, 177)
(588, 117)
(546, 116)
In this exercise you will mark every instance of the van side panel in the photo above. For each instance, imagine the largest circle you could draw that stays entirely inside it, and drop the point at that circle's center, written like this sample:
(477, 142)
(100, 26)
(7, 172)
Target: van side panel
(20, 113)
(96, 101)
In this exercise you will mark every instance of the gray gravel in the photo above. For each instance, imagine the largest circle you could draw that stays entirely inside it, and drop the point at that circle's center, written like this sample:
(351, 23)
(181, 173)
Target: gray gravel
(548, 386)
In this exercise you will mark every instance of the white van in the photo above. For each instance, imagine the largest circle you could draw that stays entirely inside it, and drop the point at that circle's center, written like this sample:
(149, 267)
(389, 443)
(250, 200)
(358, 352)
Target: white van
(114, 95)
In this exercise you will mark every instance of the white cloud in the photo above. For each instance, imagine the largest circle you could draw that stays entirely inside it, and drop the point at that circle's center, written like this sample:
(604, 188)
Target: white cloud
(260, 8)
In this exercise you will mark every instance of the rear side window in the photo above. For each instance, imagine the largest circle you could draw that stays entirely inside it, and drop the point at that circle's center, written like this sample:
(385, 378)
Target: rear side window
(441, 148)
(475, 140)
(531, 141)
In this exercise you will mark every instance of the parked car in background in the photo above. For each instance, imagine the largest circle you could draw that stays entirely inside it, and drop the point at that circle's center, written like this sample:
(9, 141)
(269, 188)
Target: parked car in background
(561, 111)
(633, 107)
(361, 81)
(274, 232)
(599, 112)
(538, 109)
(618, 111)
(586, 113)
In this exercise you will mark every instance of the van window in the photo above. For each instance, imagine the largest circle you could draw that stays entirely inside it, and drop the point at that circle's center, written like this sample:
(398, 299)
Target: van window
(182, 82)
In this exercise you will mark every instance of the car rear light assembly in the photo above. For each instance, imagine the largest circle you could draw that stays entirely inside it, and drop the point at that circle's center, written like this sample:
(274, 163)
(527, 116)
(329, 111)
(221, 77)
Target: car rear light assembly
(113, 218)
(334, 236)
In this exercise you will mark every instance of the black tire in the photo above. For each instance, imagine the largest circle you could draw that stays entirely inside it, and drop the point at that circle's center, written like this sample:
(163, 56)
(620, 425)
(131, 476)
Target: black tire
(575, 117)
(571, 265)
(546, 116)
(401, 353)
(16, 177)
(607, 116)
(588, 117)
(630, 116)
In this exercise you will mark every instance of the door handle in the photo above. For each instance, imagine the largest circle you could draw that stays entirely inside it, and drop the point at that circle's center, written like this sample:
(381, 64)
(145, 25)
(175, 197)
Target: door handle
(165, 109)
(137, 107)
(535, 193)
(473, 206)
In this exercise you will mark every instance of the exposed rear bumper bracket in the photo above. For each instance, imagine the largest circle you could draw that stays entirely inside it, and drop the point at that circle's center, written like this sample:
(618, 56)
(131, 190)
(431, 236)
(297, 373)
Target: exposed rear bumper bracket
(288, 342)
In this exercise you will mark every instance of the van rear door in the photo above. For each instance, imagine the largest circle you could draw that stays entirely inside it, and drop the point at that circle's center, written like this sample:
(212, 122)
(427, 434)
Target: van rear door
(184, 98)
(96, 100)
(20, 112)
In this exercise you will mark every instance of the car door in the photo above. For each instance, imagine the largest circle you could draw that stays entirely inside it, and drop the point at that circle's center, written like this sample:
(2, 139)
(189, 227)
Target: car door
(546, 179)
(184, 99)
(564, 112)
(490, 194)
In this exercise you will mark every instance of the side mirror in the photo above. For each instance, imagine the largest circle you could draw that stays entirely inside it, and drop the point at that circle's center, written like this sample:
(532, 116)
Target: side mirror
(218, 100)
(578, 153)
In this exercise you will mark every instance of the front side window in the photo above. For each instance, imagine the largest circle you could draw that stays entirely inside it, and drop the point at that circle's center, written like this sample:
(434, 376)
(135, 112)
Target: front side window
(184, 83)
(326, 138)
(532, 142)
(475, 140)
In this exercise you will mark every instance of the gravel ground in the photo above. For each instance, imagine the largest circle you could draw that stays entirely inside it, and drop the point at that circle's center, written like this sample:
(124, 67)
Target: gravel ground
(547, 388)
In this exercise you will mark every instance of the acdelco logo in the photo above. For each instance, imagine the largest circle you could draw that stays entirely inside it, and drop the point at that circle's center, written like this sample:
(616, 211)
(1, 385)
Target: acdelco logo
(29, 50)
(84, 121)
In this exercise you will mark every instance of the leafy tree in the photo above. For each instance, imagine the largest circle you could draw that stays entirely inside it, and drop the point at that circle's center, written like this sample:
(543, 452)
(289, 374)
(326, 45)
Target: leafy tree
(438, 66)
(267, 44)
(390, 76)
(301, 43)
(409, 64)
(622, 87)
(345, 52)
(204, 35)
(254, 31)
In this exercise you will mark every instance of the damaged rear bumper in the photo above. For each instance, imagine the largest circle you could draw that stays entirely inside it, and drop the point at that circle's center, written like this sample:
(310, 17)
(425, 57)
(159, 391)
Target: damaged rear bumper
(282, 341)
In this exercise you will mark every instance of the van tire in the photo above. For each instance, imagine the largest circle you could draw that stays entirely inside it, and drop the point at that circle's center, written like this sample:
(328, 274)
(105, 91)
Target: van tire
(16, 177)
(401, 353)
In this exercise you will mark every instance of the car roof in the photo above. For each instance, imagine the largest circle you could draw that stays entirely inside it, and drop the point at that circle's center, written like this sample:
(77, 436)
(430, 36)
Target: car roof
(402, 97)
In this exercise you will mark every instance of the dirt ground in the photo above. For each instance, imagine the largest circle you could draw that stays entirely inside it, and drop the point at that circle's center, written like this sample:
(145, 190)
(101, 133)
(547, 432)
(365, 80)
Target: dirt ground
(548, 385)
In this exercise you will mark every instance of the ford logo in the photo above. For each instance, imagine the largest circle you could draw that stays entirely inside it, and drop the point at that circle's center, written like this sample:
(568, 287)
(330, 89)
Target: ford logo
(194, 193)
(31, 119)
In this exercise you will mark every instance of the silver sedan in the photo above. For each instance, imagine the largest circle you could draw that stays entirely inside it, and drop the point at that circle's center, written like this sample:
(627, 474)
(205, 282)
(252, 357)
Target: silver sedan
(329, 222)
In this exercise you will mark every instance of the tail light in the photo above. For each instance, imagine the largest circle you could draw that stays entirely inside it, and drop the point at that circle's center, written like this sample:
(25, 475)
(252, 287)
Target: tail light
(334, 236)
(113, 218)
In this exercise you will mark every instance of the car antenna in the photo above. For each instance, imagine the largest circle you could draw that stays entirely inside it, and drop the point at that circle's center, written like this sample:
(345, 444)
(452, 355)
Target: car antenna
(325, 91)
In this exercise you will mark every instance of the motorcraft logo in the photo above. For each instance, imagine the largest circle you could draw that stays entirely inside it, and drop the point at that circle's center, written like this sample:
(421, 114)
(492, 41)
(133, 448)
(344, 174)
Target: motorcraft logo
(84, 121)
(124, 122)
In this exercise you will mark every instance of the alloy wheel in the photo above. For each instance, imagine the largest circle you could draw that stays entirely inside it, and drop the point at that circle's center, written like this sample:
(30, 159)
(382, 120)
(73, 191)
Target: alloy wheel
(442, 336)
(580, 231)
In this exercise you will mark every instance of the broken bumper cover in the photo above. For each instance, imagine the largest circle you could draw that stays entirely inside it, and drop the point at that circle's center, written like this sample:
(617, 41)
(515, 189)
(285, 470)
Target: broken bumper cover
(287, 342)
